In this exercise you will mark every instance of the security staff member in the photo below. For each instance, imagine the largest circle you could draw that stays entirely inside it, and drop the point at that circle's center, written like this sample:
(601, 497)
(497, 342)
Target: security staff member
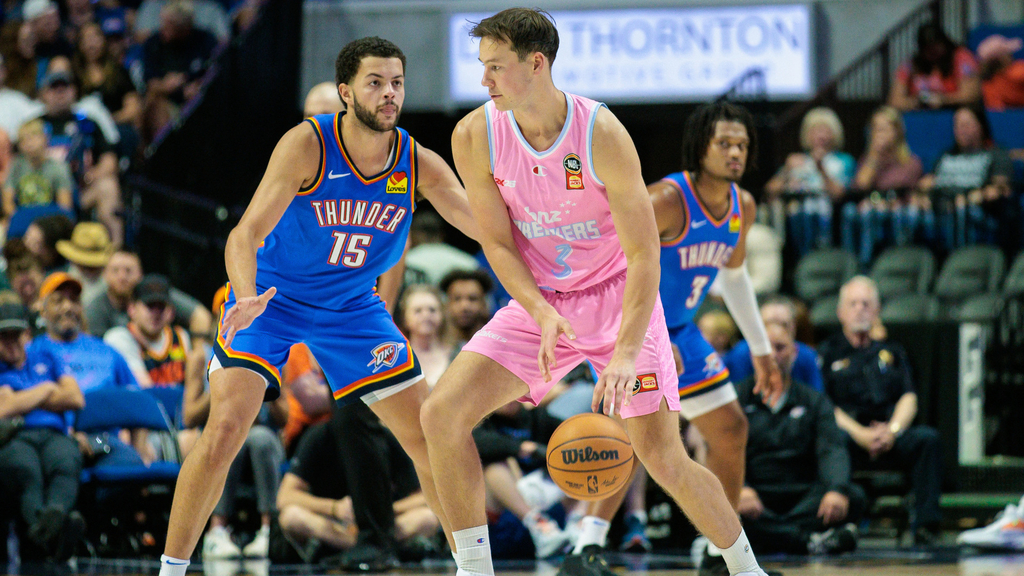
(869, 381)
(798, 496)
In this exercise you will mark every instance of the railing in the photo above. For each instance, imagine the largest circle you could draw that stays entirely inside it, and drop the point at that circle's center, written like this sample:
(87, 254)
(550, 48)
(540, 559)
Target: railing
(751, 85)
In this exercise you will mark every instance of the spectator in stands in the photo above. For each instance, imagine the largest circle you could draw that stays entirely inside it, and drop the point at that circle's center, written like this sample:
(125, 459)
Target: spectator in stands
(718, 328)
(44, 16)
(25, 275)
(970, 187)
(15, 107)
(110, 308)
(429, 258)
(940, 74)
(35, 180)
(870, 383)
(89, 105)
(777, 310)
(810, 181)
(99, 73)
(309, 395)
(260, 459)
(322, 99)
(352, 488)
(798, 496)
(467, 306)
(880, 201)
(39, 466)
(41, 239)
(81, 143)
(77, 14)
(422, 320)
(209, 16)
(23, 65)
(93, 364)
(1002, 76)
(174, 61)
(87, 252)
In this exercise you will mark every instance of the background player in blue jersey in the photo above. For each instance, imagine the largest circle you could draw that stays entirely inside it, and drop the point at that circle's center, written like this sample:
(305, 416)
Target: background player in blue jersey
(331, 214)
(702, 217)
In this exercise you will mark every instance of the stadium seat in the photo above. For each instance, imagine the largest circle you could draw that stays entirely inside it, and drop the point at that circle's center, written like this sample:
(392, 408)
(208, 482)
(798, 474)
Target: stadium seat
(970, 271)
(903, 270)
(980, 308)
(910, 308)
(823, 312)
(172, 399)
(929, 134)
(821, 273)
(1014, 283)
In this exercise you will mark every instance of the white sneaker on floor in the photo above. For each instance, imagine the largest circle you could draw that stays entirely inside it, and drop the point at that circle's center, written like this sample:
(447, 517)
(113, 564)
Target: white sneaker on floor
(548, 538)
(217, 545)
(259, 546)
(1006, 532)
(539, 491)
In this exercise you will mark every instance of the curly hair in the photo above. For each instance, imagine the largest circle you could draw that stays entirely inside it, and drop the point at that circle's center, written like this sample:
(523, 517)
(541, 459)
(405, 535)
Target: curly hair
(700, 129)
(351, 56)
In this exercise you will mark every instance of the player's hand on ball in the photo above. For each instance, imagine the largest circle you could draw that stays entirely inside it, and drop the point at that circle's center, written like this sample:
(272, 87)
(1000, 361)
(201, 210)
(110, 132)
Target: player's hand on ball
(243, 313)
(552, 325)
(614, 386)
(768, 379)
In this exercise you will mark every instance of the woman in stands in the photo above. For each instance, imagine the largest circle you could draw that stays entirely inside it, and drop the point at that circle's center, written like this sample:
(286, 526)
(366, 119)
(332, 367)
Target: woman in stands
(970, 186)
(422, 320)
(880, 205)
(940, 74)
(812, 180)
(99, 73)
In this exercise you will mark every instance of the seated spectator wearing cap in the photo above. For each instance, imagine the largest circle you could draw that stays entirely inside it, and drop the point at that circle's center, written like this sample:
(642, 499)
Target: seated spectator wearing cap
(92, 362)
(39, 466)
(87, 253)
(1002, 76)
(99, 73)
(44, 17)
(79, 140)
(174, 61)
(35, 180)
(41, 239)
(109, 308)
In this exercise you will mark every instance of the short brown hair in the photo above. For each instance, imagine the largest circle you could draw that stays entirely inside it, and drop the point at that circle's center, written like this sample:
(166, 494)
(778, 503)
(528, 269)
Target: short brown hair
(351, 56)
(527, 30)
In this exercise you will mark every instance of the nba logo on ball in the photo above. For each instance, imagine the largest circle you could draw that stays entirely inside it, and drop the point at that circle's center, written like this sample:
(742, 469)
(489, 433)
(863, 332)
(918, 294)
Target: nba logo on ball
(589, 456)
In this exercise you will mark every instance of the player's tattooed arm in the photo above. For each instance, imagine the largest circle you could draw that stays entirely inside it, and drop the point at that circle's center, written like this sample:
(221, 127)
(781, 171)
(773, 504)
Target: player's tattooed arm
(438, 184)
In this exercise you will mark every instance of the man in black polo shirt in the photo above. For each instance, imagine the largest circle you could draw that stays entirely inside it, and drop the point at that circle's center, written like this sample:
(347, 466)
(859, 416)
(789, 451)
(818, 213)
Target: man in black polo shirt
(869, 381)
(798, 498)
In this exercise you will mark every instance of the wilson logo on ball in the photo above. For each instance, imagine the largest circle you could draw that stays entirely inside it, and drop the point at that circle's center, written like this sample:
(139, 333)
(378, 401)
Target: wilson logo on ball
(588, 454)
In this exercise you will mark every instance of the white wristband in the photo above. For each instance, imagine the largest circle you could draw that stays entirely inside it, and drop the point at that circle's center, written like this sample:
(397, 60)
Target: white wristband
(738, 293)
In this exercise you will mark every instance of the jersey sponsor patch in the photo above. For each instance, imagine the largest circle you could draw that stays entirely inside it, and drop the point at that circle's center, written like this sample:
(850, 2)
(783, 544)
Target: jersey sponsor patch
(385, 355)
(398, 183)
(645, 383)
(734, 223)
(505, 183)
(573, 172)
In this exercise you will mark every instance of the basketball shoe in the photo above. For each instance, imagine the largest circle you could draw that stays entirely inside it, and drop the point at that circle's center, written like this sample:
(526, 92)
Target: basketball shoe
(587, 563)
(1006, 532)
(548, 538)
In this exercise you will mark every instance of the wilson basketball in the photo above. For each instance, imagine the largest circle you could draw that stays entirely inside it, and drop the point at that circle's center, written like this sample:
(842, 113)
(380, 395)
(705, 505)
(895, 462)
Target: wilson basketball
(589, 456)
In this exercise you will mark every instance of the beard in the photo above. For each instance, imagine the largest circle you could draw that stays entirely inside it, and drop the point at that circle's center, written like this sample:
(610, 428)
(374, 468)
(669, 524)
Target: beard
(369, 117)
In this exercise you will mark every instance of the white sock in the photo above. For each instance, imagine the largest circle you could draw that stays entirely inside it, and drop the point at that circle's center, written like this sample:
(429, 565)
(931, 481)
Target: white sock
(739, 557)
(474, 551)
(713, 550)
(593, 531)
(456, 556)
(172, 566)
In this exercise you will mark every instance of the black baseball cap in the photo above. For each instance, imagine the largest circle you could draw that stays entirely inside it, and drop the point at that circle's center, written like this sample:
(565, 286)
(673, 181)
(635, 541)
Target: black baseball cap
(152, 288)
(13, 317)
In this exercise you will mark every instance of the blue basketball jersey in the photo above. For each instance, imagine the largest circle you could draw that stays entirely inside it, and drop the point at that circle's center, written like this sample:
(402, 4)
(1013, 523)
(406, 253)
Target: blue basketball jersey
(690, 262)
(344, 230)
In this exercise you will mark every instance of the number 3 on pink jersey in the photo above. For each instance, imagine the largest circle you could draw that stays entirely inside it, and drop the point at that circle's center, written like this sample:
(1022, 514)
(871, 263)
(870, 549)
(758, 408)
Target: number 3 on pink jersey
(564, 250)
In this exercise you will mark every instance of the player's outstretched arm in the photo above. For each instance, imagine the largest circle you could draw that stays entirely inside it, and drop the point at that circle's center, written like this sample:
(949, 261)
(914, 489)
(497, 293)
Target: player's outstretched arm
(441, 187)
(472, 160)
(616, 163)
(294, 162)
(738, 293)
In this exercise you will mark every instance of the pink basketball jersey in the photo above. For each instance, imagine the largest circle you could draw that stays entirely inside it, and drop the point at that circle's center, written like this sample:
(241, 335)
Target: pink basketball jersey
(559, 206)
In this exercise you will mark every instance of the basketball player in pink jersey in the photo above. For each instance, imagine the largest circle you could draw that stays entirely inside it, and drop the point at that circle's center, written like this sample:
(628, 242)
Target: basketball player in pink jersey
(555, 186)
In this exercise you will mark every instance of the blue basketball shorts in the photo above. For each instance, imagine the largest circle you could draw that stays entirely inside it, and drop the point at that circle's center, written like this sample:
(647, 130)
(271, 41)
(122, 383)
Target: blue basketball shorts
(704, 384)
(362, 353)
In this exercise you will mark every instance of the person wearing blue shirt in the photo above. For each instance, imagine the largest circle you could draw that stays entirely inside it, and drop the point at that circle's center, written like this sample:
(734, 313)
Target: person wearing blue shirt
(39, 466)
(777, 310)
(92, 362)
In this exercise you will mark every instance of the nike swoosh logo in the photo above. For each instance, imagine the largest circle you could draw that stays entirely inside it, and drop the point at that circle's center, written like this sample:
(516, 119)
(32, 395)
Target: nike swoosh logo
(696, 224)
(333, 176)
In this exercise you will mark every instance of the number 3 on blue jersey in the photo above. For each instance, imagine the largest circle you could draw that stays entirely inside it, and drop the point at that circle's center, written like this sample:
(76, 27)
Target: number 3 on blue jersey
(564, 250)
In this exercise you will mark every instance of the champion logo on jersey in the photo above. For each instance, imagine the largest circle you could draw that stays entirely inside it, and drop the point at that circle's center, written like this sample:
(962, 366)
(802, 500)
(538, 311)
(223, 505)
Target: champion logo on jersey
(385, 354)
(505, 183)
(573, 169)
(398, 183)
(539, 170)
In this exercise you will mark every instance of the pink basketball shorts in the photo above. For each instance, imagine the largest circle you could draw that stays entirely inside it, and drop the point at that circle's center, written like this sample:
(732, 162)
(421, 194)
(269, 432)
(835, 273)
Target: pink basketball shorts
(512, 339)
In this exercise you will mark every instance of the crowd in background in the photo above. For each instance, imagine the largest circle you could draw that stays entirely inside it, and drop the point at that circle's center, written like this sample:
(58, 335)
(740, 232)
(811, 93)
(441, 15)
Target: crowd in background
(85, 84)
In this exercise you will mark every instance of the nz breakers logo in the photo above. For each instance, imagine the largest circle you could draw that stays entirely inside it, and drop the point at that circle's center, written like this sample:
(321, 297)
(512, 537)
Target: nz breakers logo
(588, 454)
(385, 354)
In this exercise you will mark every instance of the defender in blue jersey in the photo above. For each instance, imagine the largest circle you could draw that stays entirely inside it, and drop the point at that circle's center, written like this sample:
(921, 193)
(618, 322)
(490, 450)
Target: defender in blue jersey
(331, 214)
(703, 218)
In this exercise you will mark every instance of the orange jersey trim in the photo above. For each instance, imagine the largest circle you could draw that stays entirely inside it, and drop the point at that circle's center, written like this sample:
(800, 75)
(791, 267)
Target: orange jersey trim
(409, 363)
(686, 215)
(242, 355)
(698, 386)
(323, 162)
(387, 170)
(715, 222)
